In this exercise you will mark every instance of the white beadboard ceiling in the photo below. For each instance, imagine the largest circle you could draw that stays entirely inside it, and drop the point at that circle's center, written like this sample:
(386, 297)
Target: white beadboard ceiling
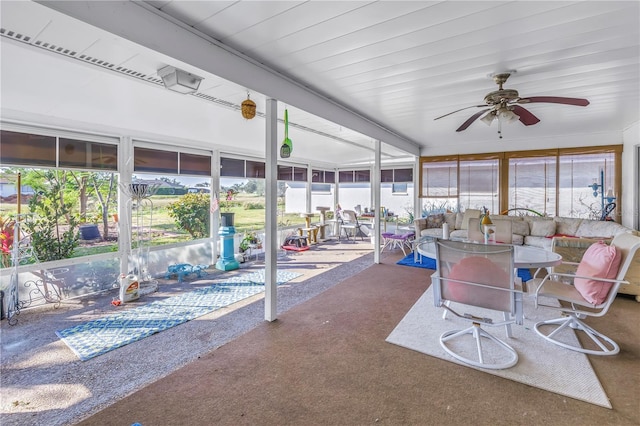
(349, 72)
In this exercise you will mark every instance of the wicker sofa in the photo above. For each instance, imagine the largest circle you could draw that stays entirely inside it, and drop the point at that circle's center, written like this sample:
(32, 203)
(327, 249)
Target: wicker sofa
(574, 235)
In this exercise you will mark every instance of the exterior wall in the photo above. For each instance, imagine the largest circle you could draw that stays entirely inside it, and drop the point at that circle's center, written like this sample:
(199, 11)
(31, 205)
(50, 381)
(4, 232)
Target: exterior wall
(399, 204)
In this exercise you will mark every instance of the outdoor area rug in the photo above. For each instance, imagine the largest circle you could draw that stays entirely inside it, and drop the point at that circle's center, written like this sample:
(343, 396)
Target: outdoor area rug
(540, 364)
(429, 263)
(93, 338)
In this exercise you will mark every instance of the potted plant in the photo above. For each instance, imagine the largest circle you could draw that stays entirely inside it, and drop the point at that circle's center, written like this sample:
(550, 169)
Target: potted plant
(226, 216)
(250, 241)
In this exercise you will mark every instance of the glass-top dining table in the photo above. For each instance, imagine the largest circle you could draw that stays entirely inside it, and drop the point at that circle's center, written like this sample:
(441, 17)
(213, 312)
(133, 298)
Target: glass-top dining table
(523, 256)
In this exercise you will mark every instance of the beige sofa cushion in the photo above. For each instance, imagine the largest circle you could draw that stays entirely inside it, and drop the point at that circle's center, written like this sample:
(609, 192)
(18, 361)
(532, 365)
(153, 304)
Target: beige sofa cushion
(543, 228)
(519, 226)
(598, 228)
(468, 214)
(567, 225)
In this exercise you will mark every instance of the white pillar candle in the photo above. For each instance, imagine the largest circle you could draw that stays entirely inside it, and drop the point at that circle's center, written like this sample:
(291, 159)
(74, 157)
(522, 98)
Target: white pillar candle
(445, 231)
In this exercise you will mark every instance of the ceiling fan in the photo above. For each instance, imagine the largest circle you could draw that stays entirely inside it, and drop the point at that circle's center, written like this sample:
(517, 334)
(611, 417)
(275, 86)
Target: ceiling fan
(504, 105)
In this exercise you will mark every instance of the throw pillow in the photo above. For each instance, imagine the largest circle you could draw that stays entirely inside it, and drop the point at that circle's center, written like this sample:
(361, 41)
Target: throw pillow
(468, 214)
(520, 227)
(479, 270)
(543, 228)
(458, 220)
(599, 261)
(450, 218)
(435, 220)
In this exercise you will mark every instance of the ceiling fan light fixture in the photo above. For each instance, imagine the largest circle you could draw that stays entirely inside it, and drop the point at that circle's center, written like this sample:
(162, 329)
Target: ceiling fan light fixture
(488, 118)
(179, 80)
(507, 116)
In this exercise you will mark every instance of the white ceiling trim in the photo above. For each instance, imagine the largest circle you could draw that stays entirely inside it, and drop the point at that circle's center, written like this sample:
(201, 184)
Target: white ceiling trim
(151, 28)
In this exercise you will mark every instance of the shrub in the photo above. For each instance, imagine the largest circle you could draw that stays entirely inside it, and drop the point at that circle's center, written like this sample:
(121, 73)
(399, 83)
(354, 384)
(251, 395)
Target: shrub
(191, 213)
(254, 206)
(51, 238)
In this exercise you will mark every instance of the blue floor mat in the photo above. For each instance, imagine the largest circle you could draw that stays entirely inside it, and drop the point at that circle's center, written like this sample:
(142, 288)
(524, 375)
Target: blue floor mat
(93, 338)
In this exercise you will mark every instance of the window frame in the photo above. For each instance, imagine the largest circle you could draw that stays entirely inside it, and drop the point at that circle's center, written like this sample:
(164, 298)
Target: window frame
(503, 178)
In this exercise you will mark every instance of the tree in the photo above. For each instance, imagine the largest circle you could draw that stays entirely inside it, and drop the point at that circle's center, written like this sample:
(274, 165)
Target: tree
(191, 213)
(50, 237)
(254, 187)
(104, 187)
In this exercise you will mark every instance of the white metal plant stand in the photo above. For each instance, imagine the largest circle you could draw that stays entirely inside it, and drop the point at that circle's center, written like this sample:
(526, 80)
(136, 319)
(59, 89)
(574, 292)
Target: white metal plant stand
(142, 214)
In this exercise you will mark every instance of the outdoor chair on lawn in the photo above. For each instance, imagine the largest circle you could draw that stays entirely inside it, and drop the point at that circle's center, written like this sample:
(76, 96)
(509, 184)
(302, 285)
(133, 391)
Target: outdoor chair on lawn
(478, 278)
(589, 291)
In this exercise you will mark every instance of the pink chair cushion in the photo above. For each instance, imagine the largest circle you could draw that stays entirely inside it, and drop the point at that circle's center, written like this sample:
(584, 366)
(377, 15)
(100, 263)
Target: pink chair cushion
(479, 270)
(599, 261)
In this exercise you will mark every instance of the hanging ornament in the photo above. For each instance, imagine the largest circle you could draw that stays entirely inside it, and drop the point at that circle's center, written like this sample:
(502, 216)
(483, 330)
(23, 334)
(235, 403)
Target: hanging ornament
(287, 145)
(248, 108)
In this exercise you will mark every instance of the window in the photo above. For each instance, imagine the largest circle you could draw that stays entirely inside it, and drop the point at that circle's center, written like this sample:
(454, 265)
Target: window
(321, 188)
(440, 179)
(199, 165)
(479, 184)
(396, 175)
(256, 169)
(27, 149)
(231, 167)
(350, 176)
(532, 184)
(88, 155)
(154, 160)
(577, 174)
(550, 182)
(386, 176)
(399, 188)
(323, 176)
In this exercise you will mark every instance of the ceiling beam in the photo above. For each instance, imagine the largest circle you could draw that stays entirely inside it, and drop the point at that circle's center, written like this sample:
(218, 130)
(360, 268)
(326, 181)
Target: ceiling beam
(146, 26)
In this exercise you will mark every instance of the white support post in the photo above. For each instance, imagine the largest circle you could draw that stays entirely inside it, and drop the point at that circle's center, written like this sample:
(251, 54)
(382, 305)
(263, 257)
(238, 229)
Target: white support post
(375, 186)
(271, 219)
(309, 181)
(417, 205)
(125, 168)
(214, 217)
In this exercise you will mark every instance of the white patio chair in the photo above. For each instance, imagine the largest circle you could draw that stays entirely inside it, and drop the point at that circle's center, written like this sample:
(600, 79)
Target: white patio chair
(350, 224)
(480, 276)
(587, 295)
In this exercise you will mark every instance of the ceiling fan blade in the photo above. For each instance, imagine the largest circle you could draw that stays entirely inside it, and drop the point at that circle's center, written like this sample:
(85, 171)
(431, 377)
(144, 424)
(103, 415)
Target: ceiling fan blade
(526, 117)
(471, 119)
(461, 109)
(555, 100)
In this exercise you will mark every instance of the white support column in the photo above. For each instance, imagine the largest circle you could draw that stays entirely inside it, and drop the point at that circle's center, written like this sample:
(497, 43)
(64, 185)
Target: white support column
(417, 205)
(125, 168)
(375, 189)
(214, 217)
(336, 194)
(309, 180)
(271, 219)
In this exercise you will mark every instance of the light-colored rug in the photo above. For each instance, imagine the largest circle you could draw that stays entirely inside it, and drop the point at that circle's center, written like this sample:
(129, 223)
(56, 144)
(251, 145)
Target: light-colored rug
(93, 338)
(541, 364)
